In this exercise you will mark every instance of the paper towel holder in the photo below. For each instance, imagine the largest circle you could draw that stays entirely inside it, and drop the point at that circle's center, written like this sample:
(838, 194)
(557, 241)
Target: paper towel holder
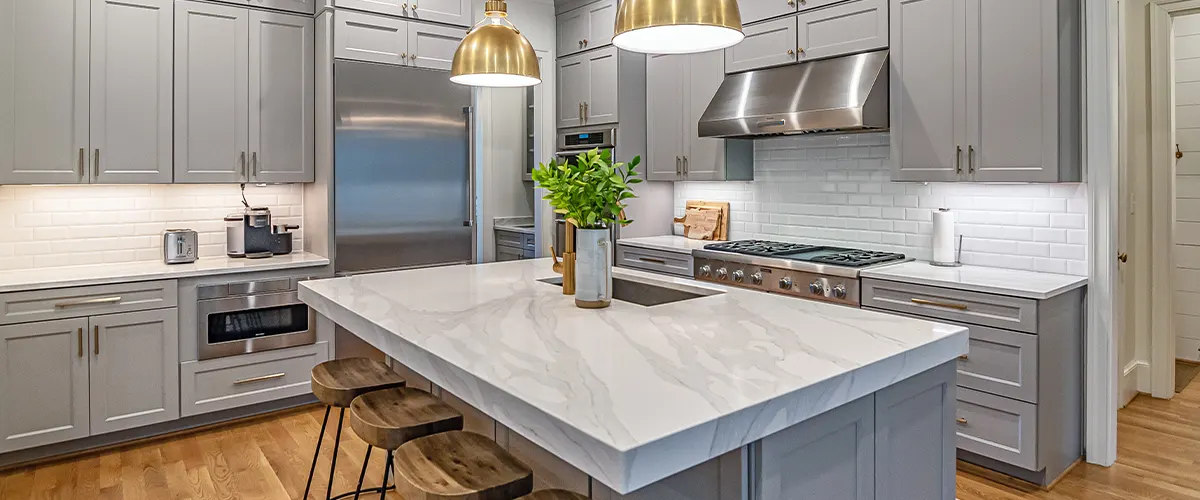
(958, 257)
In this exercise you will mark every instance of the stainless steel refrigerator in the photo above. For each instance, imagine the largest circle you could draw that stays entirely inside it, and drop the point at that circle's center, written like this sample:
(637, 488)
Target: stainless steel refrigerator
(403, 169)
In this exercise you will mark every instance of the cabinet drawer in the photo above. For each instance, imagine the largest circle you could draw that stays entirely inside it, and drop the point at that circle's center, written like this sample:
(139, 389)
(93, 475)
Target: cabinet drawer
(654, 260)
(847, 28)
(1000, 311)
(514, 239)
(248, 379)
(1001, 362)
(60, 303)
(997, 427)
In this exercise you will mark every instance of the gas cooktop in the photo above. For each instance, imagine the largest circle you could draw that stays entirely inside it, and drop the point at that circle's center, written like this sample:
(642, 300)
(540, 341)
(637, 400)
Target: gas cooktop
(847, 257)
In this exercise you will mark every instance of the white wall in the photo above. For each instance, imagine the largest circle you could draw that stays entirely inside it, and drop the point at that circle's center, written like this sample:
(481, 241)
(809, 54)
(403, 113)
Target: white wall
(836, 189)
(51, 226)
(1187, 187)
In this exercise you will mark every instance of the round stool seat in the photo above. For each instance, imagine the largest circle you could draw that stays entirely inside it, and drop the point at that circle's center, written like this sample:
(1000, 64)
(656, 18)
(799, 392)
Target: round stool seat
(337, 382)
(461, 465)
(391, 417)
(553, 495)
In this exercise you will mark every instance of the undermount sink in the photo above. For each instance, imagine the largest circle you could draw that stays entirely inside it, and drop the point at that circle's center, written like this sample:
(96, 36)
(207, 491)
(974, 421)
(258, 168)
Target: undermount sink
(644, 294)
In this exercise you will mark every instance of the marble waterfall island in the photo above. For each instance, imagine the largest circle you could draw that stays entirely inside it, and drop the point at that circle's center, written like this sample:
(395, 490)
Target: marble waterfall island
(712, 397)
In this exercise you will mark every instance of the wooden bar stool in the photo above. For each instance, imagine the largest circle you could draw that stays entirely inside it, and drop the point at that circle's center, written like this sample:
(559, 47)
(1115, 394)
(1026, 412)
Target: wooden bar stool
(389, 418)
(336, 383)
(460, 465)
(553, 495)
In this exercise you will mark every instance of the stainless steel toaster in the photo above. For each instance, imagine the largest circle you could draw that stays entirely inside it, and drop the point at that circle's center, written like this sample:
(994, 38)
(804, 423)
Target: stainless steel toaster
(180, 246)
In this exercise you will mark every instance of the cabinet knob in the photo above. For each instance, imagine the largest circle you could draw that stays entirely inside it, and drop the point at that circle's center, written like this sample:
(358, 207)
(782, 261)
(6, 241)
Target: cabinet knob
(404, 6)
(403, 56)
(413, 56)
(791, 52)
(585, 42)
(961, 421)
(414, 6)
(792, 2)
(800, 50)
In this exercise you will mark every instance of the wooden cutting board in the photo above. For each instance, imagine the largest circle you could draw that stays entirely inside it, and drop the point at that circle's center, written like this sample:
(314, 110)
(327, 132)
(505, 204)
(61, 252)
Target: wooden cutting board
(700, 227)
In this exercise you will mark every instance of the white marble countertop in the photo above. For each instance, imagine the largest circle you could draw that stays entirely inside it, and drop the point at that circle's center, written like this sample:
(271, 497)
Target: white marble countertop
(99, 274)
(630, 394)
(1017, 283)
(677, 244)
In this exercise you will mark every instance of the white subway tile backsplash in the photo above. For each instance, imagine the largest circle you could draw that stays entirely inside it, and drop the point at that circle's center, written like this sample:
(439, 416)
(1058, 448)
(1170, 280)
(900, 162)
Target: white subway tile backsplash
(837, 189)
(52, 226)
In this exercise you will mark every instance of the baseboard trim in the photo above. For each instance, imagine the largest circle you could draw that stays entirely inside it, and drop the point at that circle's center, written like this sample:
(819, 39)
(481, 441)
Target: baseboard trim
(1140, 371)
(1064, 473)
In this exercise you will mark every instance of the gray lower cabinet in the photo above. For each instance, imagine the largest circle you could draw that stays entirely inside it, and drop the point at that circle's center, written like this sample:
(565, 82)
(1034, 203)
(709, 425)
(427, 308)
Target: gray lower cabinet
(549, 471)
(915, 418)
(836, 449)
(1020, 397)
(235, 381)
(134, 369)
(514, 245)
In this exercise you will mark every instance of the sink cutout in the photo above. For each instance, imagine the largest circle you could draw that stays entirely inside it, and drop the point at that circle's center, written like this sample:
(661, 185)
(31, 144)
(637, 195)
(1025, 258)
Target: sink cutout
(644, 294)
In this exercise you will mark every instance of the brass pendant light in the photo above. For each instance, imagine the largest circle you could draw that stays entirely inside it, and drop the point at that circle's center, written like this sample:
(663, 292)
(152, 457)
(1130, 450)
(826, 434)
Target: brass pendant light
(678, 26)
(495, 53)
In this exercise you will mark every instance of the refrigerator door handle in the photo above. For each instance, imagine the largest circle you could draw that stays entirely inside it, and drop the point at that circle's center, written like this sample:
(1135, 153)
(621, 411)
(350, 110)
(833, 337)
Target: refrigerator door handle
(470, 222)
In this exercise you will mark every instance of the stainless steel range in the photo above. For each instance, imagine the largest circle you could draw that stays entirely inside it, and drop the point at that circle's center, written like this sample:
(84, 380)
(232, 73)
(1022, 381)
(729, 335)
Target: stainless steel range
(810, 271)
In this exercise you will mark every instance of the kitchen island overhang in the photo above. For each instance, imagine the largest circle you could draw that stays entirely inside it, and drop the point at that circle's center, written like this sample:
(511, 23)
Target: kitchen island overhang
(631, 395)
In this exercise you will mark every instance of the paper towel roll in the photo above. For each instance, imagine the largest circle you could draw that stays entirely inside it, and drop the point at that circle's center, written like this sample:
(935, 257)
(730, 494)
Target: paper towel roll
(943, 237)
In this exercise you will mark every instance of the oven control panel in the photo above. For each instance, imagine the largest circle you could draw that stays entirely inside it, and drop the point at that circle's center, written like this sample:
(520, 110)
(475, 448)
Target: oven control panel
(800, 284)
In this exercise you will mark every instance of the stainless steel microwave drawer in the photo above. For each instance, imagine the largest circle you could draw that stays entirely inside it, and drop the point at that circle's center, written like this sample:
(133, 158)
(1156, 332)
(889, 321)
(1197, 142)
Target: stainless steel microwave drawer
(997, 427)
(230, 382)
(1000, 311)
(678, 264)
(62, 303)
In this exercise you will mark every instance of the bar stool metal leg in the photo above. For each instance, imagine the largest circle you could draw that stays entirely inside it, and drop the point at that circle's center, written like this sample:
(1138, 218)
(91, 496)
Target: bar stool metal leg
(337, 441)
(362, 475)
(383, 494)
(316, 453)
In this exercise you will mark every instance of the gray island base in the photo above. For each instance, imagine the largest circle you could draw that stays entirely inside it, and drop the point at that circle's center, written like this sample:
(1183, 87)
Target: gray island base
(731, 395)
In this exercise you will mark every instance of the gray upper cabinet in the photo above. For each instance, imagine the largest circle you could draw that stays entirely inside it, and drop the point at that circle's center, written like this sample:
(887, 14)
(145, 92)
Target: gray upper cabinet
(298, 6)
(443, 11)
(665, 126)
(134, 372)
(572, 90)
(985, 101)
(705, 160)
(772, 43)
(45, 382)
(212, 89)
(44, 91)
(753, 11)
(432, 46)
(281, 98)
(587, 88)
(928, 90)
(367, 37)
(243, 95)
(587, 27)
(847, 28)
(131, 82)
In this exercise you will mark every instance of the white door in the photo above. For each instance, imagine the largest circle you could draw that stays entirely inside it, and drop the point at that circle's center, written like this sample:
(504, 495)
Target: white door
(43, 91)
(442, 11)
(602, 100)
(1012, 78)
(45, 383)
(705, 160)
(772, 43)
(664, 126)
(211, 93)
(134, 369)
(572, 90)
(928, 90)
(281, 98)
(131, 92)
(433, 47)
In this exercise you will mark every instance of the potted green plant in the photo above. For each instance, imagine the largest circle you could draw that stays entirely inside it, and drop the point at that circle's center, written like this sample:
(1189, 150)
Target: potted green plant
(590, 192)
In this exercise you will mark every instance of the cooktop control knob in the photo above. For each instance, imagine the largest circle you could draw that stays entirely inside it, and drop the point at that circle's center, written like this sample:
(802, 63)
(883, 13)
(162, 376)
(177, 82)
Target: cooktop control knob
(722, 273)
(739, 276)
(706, 270)
(756, 278)
(785, 283)
(817, 288)
(839, 291)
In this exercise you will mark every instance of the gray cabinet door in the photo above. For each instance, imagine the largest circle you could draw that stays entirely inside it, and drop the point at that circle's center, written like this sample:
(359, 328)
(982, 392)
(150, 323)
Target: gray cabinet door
(601, 103)
(134, 369)
(915, 418)
(1012, 90)
(281, 98)
(664, 125)
(433, 47)
(572, 29)
(211, 93)
(44, 91)
(45, 383)
(848, 28)
(999, 428)
(772, 43)
(572, 90)
(443, 11)
(928, 90)
(601, 23)
(365, 37)
(549, 471)
(390, 7)
(756, 10)
(705, 157)
(835, 451)
(299, 6)
(131, 97)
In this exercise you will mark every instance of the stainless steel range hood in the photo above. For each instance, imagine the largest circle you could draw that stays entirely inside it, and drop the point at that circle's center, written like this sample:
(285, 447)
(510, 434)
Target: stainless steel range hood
(843, 94)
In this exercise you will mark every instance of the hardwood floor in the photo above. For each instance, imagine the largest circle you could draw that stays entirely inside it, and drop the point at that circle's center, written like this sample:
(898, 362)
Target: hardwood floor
(268, 458)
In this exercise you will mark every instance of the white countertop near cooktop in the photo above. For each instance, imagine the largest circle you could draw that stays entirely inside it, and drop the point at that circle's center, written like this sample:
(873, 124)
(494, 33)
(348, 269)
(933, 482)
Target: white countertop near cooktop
(677, 244)
(630, 394)
(100, 274)
(1013, 282)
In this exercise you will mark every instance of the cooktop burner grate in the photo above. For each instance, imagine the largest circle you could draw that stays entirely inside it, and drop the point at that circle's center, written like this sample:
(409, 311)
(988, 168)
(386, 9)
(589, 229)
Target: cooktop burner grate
(845, 257)
(856, 258)
(760, 248)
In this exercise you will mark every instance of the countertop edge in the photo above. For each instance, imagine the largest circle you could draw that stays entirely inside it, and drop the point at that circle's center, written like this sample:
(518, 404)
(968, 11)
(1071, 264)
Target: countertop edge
(641, 243)
(882, 273)
(182, 273)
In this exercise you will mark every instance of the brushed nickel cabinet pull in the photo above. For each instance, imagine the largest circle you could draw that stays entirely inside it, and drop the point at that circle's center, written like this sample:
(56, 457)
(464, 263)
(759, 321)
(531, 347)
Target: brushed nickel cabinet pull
(586, 114)
(961, 421)
(259, 379)
(685, 165)
(242, 163)
(79, 337)
(964, 357)
(678, 165)
(96, 340)
(96, 164)
(652, 261)
(254, 164)
(581, 111)
(88, 302)
(971, 159)
(960, 307)
(82, 154)
(958, 159)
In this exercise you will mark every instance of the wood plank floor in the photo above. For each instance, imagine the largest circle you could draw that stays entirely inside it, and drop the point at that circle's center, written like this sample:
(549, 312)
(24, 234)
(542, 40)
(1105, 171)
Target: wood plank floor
(268, 458)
